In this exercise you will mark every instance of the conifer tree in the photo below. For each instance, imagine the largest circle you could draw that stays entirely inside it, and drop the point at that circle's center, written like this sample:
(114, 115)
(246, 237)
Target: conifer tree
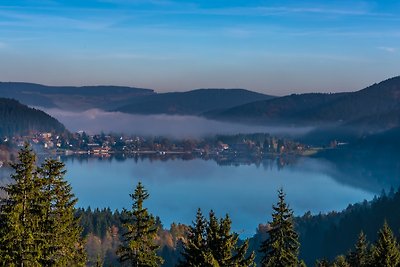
(211, 243)
(38, 227)
(194, 253)
(20, 217)
(340, 261)
(361, 255)
(223, 244)
(139, 248)
(282, 246)
(60, 227)
(385, 251)
(322, 263)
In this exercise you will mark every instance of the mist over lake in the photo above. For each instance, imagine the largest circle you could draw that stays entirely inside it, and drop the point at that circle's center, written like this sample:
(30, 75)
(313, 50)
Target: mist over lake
(96, 121)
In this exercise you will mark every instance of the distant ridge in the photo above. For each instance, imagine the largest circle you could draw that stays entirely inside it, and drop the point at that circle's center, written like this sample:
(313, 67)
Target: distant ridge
(193, 102)
(19, 119)
(70, 97)
(127, 99)
(377, 106)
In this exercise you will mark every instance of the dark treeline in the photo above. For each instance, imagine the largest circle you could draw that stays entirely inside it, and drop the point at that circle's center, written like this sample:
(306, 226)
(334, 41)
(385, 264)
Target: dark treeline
(18, 119)
(325, 236)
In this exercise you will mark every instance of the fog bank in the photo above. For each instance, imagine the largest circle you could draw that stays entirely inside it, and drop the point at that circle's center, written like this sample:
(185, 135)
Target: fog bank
(96, 121)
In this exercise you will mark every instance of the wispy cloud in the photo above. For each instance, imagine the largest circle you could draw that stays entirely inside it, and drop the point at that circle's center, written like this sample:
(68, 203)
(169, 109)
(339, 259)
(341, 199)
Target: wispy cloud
(2, 45)
(23, 19)
(124, 56)
(388, 49)
(270, 11)
(283, 10)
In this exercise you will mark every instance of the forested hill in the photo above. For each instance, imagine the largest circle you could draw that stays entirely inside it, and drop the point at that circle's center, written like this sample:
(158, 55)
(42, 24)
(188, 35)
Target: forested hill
(19, 119)
(376, 105)
(192, 102)
(71, 97)
(325, 236)
(128, 99)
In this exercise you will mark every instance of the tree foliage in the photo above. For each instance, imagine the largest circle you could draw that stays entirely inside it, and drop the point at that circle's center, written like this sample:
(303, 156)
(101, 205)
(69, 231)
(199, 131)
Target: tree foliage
(139, 248)
(385, 251)
(38, 226)
(282, 246)
(211, 243)
(361, 255)
(19, 119)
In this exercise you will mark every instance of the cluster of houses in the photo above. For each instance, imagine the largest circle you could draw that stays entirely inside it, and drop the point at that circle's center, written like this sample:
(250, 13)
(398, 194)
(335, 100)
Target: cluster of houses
(105, 145)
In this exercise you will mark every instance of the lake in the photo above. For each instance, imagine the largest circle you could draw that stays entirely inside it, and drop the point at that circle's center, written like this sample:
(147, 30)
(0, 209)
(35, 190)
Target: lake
(178, 187)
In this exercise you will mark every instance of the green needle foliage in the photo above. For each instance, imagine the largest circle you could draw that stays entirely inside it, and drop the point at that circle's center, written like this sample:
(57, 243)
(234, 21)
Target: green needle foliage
(340, 261)
(60, 225)
(385, 251)
(212, 244)
(361, 255)
(282, 246)
(139, 248)
(194, 254)
(38, 226)
(223, 243)
(20, 215)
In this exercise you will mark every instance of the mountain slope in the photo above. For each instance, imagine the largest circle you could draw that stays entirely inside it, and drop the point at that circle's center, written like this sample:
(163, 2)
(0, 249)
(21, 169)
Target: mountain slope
(70, 97)
(18, 119)
(375, 104)
(192, 102)
(292, 108)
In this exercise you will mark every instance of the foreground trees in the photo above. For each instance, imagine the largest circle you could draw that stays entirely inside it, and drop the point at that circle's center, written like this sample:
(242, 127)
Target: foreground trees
(385, 251)
(361, 255)
(282, 246)
(211, 243)
(139, 248)
(38, 226)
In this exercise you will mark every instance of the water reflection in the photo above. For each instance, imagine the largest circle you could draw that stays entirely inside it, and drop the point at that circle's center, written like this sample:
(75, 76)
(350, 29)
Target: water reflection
(178, 187)
(268, 161)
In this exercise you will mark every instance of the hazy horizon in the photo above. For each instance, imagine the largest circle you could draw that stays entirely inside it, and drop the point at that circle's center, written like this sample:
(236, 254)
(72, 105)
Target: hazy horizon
(288, 92)
(274, 47)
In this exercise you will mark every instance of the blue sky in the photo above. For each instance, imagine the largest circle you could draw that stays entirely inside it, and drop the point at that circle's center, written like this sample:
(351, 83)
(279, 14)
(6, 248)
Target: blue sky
(276, 47)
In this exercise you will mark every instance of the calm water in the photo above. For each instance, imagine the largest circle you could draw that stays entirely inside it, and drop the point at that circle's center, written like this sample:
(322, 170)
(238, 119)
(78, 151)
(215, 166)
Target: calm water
(177, 188)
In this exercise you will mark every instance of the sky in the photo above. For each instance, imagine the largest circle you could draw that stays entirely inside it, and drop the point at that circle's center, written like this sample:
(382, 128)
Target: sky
(275, 47)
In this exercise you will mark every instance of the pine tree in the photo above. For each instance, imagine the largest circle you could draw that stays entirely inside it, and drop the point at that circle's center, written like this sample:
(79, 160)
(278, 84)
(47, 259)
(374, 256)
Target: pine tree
(282, 246)
(139, 248)
(322, 263)
(19, 214)
(340, 261)
(361, 255)
(223, 244)
(194, 253)
(385, 251)
(38, 227)
(60, 226)
(211, 244)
